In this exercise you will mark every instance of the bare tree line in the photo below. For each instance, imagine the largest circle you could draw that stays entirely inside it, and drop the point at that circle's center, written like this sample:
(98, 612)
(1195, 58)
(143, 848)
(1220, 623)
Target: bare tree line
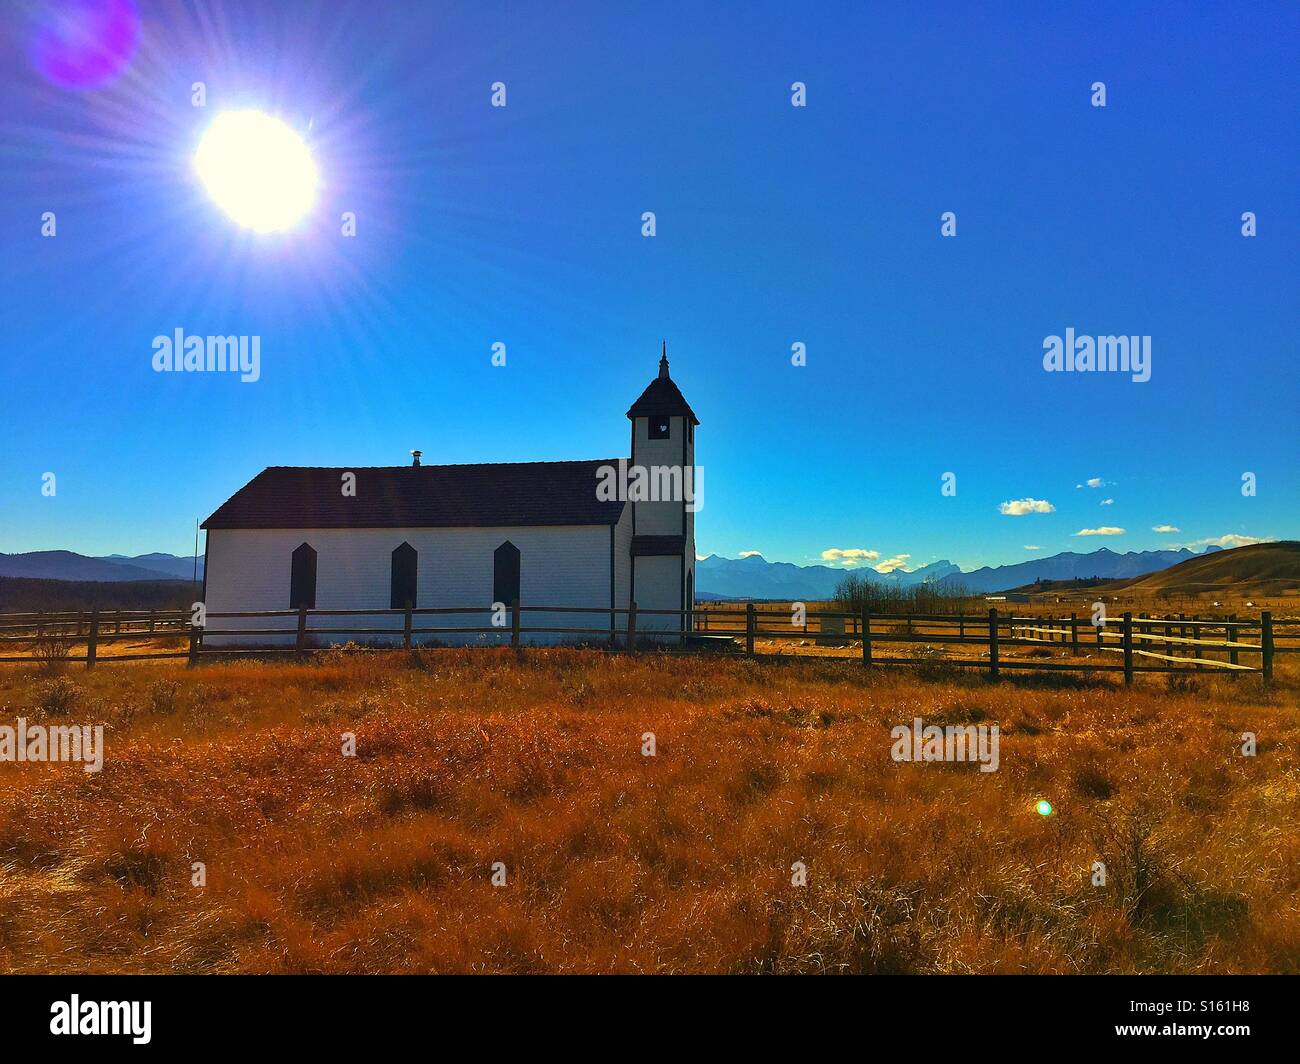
(856, 591)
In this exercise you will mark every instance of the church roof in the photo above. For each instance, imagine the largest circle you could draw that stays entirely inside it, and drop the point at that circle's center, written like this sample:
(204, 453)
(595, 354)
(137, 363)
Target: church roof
(449, 496)
(662, 397)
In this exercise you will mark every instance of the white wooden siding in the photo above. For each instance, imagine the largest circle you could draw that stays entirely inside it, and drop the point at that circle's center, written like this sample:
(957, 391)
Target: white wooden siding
(561, 566)
(658, 587)
(658, 518)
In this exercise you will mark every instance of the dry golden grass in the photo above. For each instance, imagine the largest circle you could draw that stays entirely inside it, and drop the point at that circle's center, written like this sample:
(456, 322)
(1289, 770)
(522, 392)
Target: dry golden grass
(620, 862)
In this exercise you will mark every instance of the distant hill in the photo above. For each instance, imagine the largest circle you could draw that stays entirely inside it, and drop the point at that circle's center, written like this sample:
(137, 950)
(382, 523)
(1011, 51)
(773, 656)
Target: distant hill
(115, 568)
(1260, 569)
(20, 595)
(1044, 586)
(177, 568)
(1104, 564)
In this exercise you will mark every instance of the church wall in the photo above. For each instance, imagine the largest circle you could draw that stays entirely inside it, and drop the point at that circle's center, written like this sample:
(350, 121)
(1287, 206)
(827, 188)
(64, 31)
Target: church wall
(623, 563)
(658, 587)
(560, 566)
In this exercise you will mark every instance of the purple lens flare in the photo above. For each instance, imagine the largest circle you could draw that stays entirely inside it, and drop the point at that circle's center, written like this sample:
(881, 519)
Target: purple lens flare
(85, 44)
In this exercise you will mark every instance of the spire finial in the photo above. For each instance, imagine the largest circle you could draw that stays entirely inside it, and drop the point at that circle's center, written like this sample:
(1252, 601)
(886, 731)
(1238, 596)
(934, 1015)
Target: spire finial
(663, 361)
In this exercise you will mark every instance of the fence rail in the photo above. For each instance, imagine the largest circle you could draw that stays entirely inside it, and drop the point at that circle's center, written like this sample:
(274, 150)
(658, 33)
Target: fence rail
(51, 637)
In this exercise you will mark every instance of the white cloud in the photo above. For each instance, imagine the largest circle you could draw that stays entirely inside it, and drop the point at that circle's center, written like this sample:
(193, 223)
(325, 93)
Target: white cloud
(849, 556)
(1103, 531)
(890, 564)
(1020, 507)
(1232, 540)
(1108, 502)
(1165, 528)
(1032, 546)
(751, 553)
(1094, 482)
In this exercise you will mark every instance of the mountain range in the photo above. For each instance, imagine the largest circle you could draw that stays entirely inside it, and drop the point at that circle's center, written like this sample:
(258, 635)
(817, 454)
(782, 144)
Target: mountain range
(755, 577)
(716, 577)
(111, 568)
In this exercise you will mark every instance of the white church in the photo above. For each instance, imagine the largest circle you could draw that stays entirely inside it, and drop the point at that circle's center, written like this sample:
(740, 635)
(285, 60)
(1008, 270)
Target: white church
(430, 536)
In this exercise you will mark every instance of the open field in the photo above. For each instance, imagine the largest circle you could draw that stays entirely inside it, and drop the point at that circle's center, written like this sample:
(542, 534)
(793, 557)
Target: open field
(616, 861)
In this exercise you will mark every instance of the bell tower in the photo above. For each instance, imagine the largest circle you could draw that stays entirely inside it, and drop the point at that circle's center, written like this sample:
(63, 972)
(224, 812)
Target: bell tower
(663, 508)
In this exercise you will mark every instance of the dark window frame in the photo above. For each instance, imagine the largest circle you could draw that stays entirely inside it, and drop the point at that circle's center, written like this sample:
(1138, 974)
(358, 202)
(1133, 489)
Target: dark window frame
(506, 568)
(403, 585)
(302, 577)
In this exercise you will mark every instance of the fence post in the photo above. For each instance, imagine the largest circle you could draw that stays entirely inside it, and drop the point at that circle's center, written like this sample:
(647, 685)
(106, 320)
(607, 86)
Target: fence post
(1231, 629)
(1074, 633)
(514, 623)
(1128, 647)
(993, 642)
(194, 646)
(866, 636)
(749, 628)
(302, 630)
(961, 627)
(151, 620)
(406, 629)
(92, 640)
(631, 626)
(1266, 643)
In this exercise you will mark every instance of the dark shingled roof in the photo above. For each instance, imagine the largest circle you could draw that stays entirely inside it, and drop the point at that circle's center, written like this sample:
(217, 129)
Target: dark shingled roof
(450, 496)
(662, 397)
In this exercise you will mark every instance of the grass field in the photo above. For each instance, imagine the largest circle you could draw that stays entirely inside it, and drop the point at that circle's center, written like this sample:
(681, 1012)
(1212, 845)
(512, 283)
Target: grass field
(616, 861)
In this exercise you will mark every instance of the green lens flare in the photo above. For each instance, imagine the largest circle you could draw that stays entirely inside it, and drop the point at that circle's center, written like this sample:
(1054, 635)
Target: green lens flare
(1043, 807)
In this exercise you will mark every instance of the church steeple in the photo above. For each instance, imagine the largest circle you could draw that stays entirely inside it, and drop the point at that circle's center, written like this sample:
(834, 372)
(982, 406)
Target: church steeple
(663, 525)
(662, 396)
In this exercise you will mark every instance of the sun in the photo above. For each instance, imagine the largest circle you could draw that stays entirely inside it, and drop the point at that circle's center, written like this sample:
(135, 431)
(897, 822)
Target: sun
(257, 169)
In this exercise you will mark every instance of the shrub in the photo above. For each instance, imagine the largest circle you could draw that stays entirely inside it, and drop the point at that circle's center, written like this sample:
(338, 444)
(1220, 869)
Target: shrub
(59, 696)
(1091, 782)
(52, 648)
(163, 696)
(1181, 684)
(339, 654)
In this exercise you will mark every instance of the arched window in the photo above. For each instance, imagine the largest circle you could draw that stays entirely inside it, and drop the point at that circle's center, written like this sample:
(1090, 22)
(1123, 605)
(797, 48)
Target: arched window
(302, 578)
(505, 573)
(405, 561)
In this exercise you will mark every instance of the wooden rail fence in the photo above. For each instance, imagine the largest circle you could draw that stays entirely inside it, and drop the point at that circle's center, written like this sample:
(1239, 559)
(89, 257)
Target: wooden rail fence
(51, 637)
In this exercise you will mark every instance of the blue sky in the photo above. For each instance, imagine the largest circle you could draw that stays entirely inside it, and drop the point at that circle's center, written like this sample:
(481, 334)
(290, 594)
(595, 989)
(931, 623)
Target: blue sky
(775, 225)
